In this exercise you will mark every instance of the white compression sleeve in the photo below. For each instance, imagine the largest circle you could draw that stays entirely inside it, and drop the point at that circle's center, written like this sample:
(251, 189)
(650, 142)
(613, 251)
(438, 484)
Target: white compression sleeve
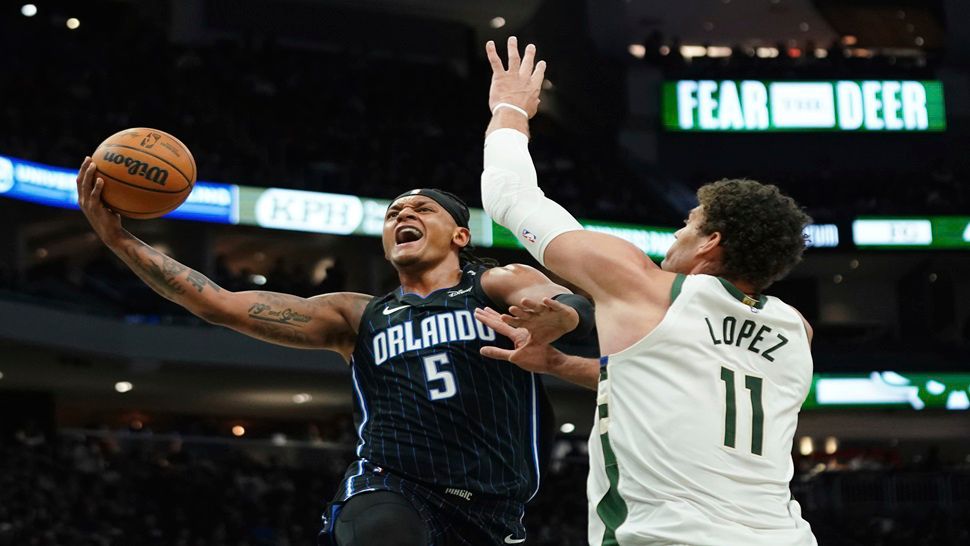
(511, 194)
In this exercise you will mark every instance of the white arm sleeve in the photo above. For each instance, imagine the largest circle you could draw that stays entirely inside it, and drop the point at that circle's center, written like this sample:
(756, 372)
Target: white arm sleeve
(511, 194)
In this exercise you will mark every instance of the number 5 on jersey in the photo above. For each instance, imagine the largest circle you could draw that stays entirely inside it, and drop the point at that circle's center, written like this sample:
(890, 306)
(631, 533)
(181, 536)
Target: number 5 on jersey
(447, 388)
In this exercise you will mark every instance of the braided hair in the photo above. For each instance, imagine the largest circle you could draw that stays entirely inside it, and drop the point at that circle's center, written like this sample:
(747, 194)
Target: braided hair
(467, 257)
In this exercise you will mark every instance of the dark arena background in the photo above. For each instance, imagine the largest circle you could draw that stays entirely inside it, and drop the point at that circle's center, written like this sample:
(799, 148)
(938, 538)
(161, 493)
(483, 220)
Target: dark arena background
(124, 420)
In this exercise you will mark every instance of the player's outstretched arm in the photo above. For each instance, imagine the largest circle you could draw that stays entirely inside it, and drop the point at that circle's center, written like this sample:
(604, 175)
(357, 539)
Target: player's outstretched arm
(603, 265)
(323, 322)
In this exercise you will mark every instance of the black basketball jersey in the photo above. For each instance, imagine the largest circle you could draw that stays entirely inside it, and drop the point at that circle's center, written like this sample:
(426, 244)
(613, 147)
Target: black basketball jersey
(431, 408)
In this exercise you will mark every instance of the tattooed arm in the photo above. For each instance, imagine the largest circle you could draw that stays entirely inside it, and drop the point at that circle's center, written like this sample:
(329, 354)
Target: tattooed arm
(328, 321)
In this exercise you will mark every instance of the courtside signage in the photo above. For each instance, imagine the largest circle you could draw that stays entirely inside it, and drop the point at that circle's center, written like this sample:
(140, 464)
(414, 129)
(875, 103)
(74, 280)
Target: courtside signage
(57, 187)
(890, 389)
(308, 211)
(940, 232)
(822, 236)
(844, 105)
(318, 212)
(210, 202)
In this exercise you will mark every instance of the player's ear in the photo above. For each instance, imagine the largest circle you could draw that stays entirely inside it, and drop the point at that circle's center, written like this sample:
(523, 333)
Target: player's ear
(461, 236)
(709, 243)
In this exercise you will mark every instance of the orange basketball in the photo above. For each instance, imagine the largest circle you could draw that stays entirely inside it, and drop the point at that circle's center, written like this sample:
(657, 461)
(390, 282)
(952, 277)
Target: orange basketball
(147, 173)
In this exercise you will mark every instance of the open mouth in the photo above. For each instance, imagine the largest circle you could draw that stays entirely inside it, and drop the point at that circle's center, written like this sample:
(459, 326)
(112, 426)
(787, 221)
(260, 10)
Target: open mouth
(407, 234)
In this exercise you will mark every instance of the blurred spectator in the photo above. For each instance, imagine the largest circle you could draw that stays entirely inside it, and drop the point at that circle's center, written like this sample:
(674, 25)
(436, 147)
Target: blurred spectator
(109, 489)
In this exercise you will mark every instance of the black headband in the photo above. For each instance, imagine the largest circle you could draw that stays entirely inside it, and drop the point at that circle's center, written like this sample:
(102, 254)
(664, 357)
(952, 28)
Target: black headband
(448, 201)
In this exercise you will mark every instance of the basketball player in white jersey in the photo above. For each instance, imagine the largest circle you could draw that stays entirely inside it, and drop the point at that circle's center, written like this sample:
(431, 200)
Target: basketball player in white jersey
(704, 375)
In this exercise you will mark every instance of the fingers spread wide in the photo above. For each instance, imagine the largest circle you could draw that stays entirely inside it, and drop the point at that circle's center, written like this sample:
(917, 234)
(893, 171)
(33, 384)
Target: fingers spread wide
(493, 58)
(538, 74)
(527, 60)
(514, 59)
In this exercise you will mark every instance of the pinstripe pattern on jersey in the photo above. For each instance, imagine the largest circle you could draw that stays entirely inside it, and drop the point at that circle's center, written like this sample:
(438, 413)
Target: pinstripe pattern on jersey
(483, 437)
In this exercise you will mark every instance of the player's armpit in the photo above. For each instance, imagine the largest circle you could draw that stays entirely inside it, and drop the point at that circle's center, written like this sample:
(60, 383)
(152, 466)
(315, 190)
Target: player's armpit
(606, 267)
(329, 321)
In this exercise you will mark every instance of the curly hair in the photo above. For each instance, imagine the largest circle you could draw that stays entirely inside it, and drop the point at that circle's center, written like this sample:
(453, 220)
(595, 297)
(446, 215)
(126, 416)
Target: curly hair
(761, 229)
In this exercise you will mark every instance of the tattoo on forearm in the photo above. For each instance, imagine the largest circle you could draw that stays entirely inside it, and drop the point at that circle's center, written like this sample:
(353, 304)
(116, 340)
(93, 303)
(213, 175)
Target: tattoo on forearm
(272, 332)
(159, 275)
(200, 281)
(273, 318)
(161, 272)
(261, 311)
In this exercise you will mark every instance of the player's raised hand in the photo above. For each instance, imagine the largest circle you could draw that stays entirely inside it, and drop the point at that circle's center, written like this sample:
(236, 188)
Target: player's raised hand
(546, 320)
(526, 354)
(105, 222)
(520, 84)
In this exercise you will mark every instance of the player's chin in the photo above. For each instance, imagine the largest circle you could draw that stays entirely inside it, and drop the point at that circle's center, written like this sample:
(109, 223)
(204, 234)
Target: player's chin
(406, 254)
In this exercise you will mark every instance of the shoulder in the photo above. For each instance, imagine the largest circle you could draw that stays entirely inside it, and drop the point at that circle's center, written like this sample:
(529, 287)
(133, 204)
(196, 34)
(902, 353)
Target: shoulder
(344, 300)
(511, 273)
(808, 327)
(501, 282)
(809, 332)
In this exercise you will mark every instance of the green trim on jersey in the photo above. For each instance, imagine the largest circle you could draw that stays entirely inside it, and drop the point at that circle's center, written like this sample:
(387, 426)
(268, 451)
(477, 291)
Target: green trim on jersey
(758, 303)
(675, 289)
(611, 509)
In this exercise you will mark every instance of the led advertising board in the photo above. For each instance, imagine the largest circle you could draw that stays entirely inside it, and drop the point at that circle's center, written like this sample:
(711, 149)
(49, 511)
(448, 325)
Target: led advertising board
(57, 187)
(938, 232)
(845, 105)
(318, 212)
(890, 389)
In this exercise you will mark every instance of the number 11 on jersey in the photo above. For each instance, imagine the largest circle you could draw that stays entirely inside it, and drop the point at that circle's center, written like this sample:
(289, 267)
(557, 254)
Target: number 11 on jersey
(753, 384)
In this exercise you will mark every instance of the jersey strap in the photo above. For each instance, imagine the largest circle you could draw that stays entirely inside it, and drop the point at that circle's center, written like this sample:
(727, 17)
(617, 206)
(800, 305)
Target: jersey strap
(676, 287)
(758, 302)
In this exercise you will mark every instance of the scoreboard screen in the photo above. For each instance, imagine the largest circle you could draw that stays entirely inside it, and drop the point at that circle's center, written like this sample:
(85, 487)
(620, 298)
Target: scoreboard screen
(844, 105)
(890, 390)
(937, 232)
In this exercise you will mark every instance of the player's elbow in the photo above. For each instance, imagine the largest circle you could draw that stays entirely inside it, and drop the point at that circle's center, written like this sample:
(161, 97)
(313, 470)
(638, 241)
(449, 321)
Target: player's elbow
(213, 317)
(505, 195)
(214, 313)
(492, 187)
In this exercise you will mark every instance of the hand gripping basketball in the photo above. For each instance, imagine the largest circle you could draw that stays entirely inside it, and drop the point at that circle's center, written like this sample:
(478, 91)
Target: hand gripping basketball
(105, 222)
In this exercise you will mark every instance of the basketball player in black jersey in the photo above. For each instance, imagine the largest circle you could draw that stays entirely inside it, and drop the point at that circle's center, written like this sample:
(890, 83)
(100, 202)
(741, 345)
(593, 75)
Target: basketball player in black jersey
(448, 449)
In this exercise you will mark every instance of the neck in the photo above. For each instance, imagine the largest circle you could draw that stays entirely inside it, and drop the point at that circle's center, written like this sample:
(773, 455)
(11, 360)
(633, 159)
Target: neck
(713, 268)
(743, 286)
(426, 281)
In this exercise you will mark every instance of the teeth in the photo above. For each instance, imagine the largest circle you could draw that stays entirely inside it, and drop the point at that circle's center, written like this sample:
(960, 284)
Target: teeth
(408, 234)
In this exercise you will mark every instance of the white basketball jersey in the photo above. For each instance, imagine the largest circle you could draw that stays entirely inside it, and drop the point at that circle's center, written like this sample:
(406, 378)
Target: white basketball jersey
(693, 437)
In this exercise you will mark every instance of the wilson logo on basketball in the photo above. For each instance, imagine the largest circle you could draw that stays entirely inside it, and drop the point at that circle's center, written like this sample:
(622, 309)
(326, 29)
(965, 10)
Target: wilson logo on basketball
(157, 175)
